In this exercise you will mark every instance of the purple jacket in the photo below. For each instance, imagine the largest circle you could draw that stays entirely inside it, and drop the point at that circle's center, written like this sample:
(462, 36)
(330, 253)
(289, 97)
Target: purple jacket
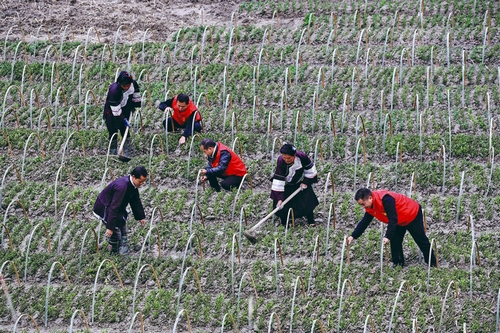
(112, 202)
(117, 96)
(302, 170)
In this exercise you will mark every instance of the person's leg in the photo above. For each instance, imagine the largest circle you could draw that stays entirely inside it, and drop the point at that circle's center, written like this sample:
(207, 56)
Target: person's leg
(114, 241)
(120, 124)
(310, 219)
(416, 230)
(172, 125)
(124, 240)
(197, 126)
(231, 182)
(214, 183)
(284, 219)
(398, 258)
(112, 129)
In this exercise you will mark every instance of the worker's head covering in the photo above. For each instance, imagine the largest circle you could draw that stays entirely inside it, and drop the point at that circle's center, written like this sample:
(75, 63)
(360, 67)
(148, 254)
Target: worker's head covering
(288, 149)
(124, 78)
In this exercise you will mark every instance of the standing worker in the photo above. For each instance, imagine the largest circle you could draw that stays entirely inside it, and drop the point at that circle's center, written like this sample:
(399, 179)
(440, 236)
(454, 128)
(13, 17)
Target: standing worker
(401, 213)
(294, 169)
(222, 163)
(183, 115)
(110, 207)
(122, 99)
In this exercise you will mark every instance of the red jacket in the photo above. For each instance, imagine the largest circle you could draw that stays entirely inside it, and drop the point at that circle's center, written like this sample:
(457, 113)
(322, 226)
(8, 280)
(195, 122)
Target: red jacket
(406, 208)
(236, 167)
(182, 117)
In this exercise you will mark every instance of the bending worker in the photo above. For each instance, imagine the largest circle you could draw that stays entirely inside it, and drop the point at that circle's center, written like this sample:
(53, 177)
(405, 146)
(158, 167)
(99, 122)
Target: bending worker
(401, 213)
(294, 169)
(222, 163)
(183, 114)
(110, 207)
(122, 99)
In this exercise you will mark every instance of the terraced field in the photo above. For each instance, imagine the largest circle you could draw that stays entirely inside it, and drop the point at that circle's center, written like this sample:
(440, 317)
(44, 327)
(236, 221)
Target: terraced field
(398, 95)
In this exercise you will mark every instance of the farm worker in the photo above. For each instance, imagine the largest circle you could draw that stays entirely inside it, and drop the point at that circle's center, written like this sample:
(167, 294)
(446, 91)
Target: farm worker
(222, 163)
(183, 112)
(110, 207)
(294, 169)
(401, 213)
(122, 99)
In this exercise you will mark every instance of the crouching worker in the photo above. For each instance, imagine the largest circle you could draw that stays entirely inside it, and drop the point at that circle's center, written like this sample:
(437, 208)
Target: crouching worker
(184, 113)
(110, 207)
(222, 163)
(122, 99)
(294, 169)
(401, 213)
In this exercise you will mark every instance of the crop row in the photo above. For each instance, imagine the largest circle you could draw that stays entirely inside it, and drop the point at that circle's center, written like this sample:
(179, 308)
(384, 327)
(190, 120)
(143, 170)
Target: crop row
(298, 261)
(397, 95)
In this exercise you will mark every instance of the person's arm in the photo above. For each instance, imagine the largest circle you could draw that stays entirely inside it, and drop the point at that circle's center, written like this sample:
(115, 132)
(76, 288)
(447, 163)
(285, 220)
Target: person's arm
(136, 205)
(279, 181)
(114, 99)
(362, 225)
(166, 104)
(224, 160)
(390, 209)
(136, 98)
(310, 172)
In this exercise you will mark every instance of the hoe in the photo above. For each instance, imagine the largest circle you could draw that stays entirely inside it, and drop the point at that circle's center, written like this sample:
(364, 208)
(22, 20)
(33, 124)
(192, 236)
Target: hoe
(250, 235)
(121, 155)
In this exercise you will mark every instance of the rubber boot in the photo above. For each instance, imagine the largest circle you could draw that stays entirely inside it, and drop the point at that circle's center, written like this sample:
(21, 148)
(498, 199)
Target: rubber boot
(113, 245)
(124, 245)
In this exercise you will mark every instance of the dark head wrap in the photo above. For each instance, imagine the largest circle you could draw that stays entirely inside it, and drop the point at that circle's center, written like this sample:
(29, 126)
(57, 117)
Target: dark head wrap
(124, 78)
(288, 149)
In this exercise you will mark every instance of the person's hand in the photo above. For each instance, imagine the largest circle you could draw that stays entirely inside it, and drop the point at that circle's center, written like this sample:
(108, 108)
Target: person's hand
(303, 186)
(203, 172)
(203, 178)
(143, 222)
(386, 240)
(182, 140)
(349, 240)
(109, 233)
(278, 205)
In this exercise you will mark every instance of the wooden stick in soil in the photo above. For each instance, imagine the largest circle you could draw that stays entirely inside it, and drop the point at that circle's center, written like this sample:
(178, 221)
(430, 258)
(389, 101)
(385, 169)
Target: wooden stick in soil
(9, 300)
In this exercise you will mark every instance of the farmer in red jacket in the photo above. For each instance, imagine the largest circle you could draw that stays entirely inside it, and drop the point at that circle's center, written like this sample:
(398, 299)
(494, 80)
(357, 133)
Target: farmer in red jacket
(401, 214)
(222, 163)
(184, 113)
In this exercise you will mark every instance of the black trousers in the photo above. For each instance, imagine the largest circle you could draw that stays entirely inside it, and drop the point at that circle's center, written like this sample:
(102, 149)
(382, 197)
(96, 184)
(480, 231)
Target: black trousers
(119, 233)
(170, 121)
(303, 204)
(416, 230)
(115, 124)
(227, 183)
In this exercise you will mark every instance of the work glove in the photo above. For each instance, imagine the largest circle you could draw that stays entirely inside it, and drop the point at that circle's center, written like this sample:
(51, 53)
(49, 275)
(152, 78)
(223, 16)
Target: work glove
(125, 122)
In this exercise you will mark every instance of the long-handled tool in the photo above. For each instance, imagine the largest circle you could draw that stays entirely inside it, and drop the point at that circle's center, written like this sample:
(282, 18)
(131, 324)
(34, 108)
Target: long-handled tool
(249, 234)
(121, 156)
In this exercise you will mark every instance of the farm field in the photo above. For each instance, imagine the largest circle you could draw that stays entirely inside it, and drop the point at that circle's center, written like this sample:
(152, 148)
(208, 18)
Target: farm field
(397, 95)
